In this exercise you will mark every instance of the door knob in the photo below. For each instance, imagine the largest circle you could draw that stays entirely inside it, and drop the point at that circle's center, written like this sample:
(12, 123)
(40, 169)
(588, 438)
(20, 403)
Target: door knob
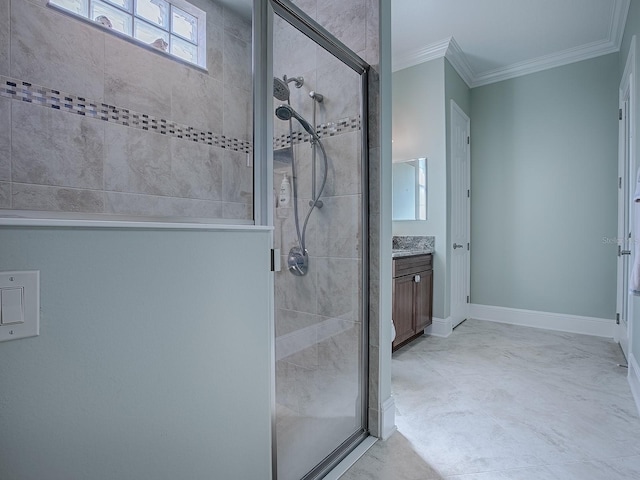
(455, 246)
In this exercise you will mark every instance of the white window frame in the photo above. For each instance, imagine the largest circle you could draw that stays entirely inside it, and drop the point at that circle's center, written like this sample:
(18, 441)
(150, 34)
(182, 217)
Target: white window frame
(200, 15)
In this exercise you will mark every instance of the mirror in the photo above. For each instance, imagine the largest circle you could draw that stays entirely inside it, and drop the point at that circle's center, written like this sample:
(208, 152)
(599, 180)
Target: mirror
(410, 189)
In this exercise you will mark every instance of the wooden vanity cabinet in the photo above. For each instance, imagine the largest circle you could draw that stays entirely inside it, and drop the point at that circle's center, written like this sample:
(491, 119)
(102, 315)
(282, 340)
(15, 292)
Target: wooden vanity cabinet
(412, 297)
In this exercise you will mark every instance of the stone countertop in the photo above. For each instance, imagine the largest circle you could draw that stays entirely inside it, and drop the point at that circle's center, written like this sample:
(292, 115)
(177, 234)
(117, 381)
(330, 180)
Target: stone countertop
(400, 252)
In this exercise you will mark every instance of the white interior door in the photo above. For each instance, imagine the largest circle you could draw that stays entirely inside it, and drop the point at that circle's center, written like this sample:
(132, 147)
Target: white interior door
(460, 247)
(626, 210)
(624, 251)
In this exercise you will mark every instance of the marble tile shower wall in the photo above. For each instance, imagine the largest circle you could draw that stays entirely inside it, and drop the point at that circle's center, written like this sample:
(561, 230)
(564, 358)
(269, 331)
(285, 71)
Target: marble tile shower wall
(319, 316)
(115, 161)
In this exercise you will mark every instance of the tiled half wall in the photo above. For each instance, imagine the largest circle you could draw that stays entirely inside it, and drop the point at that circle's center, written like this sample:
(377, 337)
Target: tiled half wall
(200, 197)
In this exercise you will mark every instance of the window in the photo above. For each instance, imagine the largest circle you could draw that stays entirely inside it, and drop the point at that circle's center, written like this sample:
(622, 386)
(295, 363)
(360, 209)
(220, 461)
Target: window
(175, 27)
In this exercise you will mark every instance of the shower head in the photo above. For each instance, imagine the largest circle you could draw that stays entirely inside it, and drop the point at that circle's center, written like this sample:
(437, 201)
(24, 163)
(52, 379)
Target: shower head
(281, 87)
(286, 112)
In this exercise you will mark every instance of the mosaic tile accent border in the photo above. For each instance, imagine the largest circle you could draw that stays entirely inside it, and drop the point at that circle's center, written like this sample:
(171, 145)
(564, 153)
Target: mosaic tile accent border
(331, 129)
(48, 97)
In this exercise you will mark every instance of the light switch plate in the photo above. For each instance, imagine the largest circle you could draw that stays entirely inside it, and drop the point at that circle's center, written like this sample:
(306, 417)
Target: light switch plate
(11, 306)
(29, 283)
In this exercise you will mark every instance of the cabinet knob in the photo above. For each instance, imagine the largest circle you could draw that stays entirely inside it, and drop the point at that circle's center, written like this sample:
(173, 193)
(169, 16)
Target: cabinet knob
(416, 278)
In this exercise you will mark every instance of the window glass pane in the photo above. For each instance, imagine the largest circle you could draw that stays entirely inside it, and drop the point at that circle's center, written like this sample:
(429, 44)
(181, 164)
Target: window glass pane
(184, 24)
(155, 11)
(157, 23)
(185, 50)
(111, 17)
(124, 4)
(80, 7)
(149, 34)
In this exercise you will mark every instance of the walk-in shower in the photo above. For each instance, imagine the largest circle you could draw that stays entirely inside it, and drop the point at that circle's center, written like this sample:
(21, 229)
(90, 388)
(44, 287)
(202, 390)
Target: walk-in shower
(319, 141)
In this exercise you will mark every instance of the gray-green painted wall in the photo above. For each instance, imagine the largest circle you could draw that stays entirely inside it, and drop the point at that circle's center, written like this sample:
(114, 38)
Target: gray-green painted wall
(421, 126)
(153, 360)
(418, 131)
(543, 182)
(455, 89)
(633, 28)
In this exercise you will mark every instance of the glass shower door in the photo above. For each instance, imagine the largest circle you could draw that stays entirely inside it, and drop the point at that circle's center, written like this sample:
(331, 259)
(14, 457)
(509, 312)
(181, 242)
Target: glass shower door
(319, 217)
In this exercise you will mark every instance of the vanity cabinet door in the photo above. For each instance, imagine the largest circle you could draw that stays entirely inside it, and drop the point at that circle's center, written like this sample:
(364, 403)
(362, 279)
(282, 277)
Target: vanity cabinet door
(403, 308)
(423, 295)
(412, 297)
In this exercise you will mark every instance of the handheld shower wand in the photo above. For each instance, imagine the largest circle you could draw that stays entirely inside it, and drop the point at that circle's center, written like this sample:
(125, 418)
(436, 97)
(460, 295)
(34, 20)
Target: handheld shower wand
(286, 112)
(298, 260)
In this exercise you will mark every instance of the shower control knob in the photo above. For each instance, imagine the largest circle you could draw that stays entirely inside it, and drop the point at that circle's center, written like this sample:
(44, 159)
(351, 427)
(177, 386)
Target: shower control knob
(298, 262)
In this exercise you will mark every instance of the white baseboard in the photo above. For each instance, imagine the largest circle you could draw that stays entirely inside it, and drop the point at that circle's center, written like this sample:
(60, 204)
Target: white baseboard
(388, 418)
(440, 327)
(599, 327)
(634, 379)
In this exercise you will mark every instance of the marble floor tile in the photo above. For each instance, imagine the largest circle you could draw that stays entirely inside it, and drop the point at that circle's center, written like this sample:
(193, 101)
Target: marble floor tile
(532, 473)
(502, 402)
(626, 468)
(394, 459)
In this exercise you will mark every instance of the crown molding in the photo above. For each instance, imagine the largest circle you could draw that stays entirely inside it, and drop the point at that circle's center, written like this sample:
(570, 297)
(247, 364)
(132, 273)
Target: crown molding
(447, 48)
(459, 62)
(420, 55)
(450, 49)
(619, 21)
(572, 55)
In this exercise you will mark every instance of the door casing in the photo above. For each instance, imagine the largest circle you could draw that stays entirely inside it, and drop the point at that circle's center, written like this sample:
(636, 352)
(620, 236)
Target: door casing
(460, 280)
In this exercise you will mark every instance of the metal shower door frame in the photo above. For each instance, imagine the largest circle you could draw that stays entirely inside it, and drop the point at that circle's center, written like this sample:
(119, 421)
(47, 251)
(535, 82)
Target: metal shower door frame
(263, 12)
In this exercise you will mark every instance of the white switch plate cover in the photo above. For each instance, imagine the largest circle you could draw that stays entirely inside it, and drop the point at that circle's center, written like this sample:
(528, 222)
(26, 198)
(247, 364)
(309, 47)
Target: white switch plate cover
(30, 282)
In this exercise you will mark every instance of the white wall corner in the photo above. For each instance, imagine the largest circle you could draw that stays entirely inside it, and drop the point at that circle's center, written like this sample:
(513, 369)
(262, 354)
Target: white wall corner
(388, 418)
(459, 62)
(440, 327)
(634, 380)
(599, 327)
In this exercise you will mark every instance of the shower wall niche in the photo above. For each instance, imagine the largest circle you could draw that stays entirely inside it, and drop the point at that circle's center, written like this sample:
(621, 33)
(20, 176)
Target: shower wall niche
(94, 123)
